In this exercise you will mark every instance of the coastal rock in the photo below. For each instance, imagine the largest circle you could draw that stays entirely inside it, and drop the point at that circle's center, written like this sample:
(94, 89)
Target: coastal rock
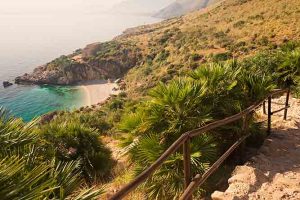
(96, 61)
(7, 84)
(72, 74)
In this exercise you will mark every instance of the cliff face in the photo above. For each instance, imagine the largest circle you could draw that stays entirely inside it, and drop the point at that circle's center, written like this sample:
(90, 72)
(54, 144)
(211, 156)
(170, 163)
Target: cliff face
(96, 61)
(42, 75)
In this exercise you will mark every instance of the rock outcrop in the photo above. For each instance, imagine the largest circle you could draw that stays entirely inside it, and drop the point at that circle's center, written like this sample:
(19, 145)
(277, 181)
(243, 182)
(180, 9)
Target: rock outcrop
(43, 75)
(7, 84)
(96, 61)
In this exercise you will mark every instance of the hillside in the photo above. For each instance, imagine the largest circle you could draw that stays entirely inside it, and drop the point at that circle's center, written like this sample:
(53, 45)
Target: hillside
(174, 81)
(145, 7)
(181, 7)
(159, 52)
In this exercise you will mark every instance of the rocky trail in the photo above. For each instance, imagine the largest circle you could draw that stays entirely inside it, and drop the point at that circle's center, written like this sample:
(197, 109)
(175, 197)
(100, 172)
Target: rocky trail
(274, 172)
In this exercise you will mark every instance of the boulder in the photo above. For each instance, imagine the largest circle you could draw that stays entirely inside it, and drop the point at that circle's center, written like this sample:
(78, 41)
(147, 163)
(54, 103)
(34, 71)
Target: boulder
(7, 84)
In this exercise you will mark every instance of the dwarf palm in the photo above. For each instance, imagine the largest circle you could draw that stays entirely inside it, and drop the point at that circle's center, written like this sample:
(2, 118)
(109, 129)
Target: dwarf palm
(173, 109)
(289, 69)
(220, 80)
(176, 108)
(167, 181)
(27, 174)
(73, 141)
(254, 87)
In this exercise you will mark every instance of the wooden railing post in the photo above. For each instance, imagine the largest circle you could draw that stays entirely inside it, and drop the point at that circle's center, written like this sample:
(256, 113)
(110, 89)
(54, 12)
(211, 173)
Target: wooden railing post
(245, 131)
(269, 114)
(264, 107)
(246, 123)
(187, 163)
(286, 104)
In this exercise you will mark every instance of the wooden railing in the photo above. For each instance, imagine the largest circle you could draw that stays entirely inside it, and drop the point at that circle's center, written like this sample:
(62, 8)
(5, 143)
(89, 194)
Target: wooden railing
(191, 184)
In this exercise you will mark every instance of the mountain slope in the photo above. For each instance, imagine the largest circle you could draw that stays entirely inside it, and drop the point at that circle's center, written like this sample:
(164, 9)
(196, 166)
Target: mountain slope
(181, 7)
(140, 6)
(148, 54)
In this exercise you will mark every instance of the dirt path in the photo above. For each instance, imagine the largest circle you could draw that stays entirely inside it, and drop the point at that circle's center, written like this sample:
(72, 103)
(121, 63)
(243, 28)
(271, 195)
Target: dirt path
(274, 173)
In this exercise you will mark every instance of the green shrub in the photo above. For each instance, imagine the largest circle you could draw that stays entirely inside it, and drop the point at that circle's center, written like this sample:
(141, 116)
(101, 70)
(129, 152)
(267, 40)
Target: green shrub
(220, 34)
(165, 38)
(27, 172)
(222, 56)
(289, 69)
(122, 94)
(195, 57)
(211, 92)
(158, 123)
(290, 46)
(264, 41)
(116, 104)
(147, 71)
(62, 63)
(73, 141)
(239, 24)
(162, 56)
(95, 120)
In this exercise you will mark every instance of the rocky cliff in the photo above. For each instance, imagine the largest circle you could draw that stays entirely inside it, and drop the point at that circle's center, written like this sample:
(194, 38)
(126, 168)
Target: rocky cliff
(96, 61)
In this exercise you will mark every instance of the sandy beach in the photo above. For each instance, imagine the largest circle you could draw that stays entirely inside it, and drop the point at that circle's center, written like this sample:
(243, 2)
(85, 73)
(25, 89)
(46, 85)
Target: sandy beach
(97, 91)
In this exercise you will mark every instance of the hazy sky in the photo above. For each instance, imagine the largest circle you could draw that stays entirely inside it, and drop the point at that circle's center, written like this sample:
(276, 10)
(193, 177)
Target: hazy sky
(50, 6)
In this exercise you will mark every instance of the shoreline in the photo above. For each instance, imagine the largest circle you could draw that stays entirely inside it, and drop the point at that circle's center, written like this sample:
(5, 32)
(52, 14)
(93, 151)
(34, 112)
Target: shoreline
(96, 92)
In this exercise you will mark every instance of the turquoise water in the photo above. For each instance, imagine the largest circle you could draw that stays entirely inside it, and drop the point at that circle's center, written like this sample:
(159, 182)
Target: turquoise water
(29, 102)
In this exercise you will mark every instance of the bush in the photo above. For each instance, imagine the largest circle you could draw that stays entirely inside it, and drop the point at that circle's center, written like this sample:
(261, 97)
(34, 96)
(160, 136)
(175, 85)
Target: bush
(239, 24)
(264, 41)
(73, 141)
(165, 38)
(61, 63)
(162, 56)
(211, 92)
(196, 57)
(289, 69)
(222, 56)
(28, 172)
(95, 120)
(116, 104)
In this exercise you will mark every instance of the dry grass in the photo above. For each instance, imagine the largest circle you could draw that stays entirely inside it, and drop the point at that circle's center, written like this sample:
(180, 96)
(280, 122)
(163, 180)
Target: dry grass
(240, 28)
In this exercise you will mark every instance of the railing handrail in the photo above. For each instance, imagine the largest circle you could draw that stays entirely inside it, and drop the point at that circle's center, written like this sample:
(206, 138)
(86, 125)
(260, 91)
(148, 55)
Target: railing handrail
(184, 138)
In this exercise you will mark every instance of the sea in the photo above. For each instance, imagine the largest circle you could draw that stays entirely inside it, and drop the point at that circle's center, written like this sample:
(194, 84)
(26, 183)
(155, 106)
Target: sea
(32, 36)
